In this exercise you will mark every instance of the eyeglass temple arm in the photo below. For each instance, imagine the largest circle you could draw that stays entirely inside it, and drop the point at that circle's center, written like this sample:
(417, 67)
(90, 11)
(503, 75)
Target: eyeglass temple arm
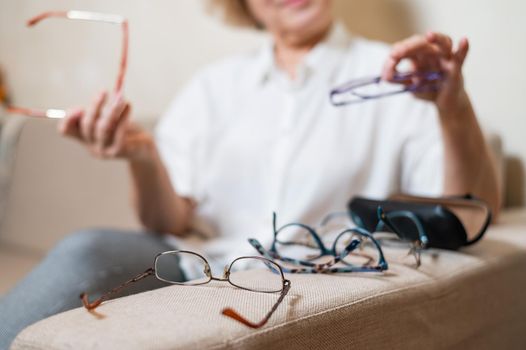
(229, 312)
(36, 19)
(332, 215)
(312, 268)
(430, 80)
(100, 17)
(401, 78)
(385, 218)
(315, 236)
(106, 296)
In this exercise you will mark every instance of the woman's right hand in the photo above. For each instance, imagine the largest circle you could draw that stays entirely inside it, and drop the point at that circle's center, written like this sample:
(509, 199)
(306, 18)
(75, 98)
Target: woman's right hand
(106, 131)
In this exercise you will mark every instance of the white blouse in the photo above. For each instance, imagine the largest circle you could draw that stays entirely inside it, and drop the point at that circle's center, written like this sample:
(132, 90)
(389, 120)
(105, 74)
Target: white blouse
(243, 140)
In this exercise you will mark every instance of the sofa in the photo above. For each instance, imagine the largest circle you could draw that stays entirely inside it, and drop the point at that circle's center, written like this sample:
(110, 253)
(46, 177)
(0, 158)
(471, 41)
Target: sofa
(470, 299)
(49, 187)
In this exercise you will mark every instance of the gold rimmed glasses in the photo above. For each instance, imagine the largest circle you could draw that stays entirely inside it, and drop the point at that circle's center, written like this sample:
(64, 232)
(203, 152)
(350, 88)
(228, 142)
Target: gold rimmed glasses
(166, 268)
(83, 16)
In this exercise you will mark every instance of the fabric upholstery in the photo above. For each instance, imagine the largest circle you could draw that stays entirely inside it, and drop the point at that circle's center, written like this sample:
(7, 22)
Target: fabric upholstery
(471, 299)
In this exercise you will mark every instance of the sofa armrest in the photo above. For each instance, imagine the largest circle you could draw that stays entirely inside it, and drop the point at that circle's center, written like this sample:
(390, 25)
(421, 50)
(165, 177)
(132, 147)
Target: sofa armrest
(455, 300)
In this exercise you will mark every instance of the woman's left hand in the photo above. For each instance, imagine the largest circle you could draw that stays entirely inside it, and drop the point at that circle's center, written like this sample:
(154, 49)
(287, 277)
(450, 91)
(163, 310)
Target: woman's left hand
(434, 52)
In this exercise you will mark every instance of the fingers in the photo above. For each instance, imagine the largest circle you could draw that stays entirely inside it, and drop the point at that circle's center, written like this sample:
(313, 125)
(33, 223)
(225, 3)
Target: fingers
(453, 66)
(102, 127)
(87, 125)
(416, 45)
(408, 48)
(417, 48)
(446, 45)
(108, 121)
(425, 53)
(443, 42)
(70, 125)
(116, 148)
(462, 51)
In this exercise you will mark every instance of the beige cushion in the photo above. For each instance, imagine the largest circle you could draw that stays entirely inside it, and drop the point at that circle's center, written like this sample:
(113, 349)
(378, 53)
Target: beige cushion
(470, 299)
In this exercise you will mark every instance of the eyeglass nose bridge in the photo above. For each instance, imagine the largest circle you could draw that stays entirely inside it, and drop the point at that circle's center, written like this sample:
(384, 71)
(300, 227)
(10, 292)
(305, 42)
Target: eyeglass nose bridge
(225, 278)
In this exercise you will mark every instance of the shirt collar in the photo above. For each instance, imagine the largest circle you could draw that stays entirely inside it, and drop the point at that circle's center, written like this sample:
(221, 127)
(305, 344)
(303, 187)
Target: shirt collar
(322, 59)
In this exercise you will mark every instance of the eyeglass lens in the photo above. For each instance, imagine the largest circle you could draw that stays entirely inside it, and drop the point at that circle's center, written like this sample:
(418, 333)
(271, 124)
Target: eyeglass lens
(365, 253)
(270, 280)
(168, 265)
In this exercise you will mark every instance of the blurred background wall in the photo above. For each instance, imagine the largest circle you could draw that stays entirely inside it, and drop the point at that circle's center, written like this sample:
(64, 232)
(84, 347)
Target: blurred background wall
(64, 64)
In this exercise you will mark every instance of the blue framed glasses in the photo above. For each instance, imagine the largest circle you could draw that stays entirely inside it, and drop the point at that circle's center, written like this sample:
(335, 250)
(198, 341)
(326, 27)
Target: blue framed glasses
(388, 233)
(361, 90)
(300, 248)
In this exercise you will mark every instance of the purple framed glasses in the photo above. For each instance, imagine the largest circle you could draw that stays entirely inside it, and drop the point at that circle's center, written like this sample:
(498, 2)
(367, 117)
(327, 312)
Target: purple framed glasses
(361, 90)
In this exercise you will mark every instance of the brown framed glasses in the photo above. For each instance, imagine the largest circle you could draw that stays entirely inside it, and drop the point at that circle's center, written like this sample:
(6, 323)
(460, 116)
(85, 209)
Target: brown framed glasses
(166, 268)
(83, 16)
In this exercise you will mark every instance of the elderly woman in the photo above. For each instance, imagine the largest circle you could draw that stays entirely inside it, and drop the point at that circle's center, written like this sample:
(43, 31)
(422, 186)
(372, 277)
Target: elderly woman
(256, 133)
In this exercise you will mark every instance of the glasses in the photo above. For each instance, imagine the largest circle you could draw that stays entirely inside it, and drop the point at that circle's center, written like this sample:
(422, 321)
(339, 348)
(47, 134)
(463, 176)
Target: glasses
(398, 228)
(84, 16)
(166, 268)
(414, 233)
(302, 250)
(361, 90)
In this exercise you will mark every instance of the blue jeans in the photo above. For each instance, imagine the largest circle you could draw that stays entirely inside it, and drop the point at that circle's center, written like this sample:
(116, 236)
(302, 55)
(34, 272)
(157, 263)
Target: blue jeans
(93, 261)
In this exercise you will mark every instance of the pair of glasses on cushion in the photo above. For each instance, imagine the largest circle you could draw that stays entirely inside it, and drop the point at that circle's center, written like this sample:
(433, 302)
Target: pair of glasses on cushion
(361, 90)
(166, 268)
(388, 231)
(83, 16)
(300, 248)
(397, 237)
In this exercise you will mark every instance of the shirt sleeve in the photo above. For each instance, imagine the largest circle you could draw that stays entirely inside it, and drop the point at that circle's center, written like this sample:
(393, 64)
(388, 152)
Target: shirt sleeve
(180, 135)
(422, 168)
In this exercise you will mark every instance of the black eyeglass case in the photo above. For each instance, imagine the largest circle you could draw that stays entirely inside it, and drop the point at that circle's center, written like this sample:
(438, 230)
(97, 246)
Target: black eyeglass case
(449, 222)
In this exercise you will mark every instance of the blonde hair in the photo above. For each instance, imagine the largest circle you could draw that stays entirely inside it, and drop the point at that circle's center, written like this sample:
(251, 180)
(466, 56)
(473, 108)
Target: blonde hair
(233, 12)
